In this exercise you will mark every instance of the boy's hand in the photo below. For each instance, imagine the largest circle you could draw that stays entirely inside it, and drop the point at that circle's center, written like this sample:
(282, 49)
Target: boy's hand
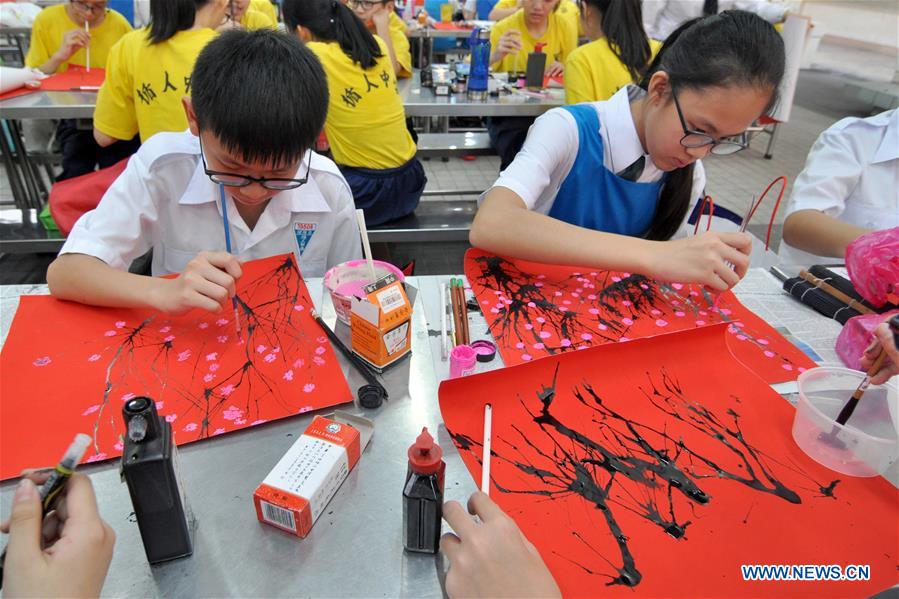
(207, 282)
(509, 42)
(555, 69)
(703, 259)
(882, 339)
(73, 41)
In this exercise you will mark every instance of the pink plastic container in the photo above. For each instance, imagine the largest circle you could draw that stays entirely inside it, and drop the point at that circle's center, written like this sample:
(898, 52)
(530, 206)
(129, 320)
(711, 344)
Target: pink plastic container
(347, 280)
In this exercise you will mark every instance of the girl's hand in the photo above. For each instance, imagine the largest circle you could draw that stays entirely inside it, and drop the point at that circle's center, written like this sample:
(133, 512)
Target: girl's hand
(704, 259)
(555, 69)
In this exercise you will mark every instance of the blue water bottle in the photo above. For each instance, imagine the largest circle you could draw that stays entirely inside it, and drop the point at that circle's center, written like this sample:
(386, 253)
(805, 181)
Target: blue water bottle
(480, 64)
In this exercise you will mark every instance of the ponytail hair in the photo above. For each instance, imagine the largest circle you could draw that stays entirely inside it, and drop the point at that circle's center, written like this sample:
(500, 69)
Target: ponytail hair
(168, 17)
(622, 25)
(733, 48)
(333, 21)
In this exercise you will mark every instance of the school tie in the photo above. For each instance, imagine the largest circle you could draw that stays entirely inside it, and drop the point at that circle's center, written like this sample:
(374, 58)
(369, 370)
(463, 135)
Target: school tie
(633, 172)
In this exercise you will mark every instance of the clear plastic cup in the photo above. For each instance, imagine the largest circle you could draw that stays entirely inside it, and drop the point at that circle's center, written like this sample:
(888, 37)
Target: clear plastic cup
(868, 443)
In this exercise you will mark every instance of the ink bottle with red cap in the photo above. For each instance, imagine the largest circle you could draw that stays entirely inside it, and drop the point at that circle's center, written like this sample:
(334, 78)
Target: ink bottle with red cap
(423, 496)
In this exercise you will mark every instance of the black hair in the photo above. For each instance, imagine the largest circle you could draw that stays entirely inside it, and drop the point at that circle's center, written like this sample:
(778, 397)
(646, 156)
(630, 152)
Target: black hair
(734, 47)
(333, 21)
(709, 7)
(168, 17)
(622, 25)
(261, 93)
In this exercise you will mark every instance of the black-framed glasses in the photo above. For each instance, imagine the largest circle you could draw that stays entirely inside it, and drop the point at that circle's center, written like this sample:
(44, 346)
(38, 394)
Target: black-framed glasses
(696, 139)
(367, 4)
(89, 8)
(235, 180)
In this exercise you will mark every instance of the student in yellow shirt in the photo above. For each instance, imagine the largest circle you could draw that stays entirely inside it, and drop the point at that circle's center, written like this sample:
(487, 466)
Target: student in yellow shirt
(149, 70)
(366, 125)
(618, 53)
(506, 8)
(380, 18)
(59, 39)
(267, 8)
(243, 12)
(511, 40)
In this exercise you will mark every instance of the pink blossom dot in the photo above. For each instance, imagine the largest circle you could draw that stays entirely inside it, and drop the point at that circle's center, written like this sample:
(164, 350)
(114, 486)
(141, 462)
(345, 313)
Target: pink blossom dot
(526, 357)
(320, 340)
(625, 274)
(545, 334)
(97, 457)
(185, 355)
(558, 294)
(762, 341)
(190, 427)
(616, 279)
(42, 361)
(575, 294)
(298, 363)
(679, 314)
(623, 339)
(232, 413)
(519, 345)
(532, 305)
(566, 302)
(240, 421)
(593, 311)
(769, 353)
(644, 286)
(304, 409)
(208, 377)
(563, 309)
(212, 357)
(318, 361)
(261, 348)
(159, 405)
(298, 307)
(227, 390)
(580, 347)
(786, 367)
(497, 293)
(565, 343)
(626, 303)
(627, 321)
(677, 286)
(541, 276)
(222, 338)
(320, 350)
(507, 301)
(94, 358)
(586, 336)
(801, 369)
(171, 418)
(486, 302)
(165, 329)
(120, 324)
(260, 421)
(700, 323)
(540, 319)
(592, 274)
(494, 311)
(110, 334)
(538, 284)
(655, 312)
(221, 322)
(602, 327)
(218, 431)
(128, 396)
(539, 346)
(725, 311)
(203, 325)
(591, 297)
(741, 337)
(308, 388)
(118, 446)
(169, 339)
(213, 367)
(703, 313)
(694, 293)
(661, 323)
(288, 376)
(90, 410)
(528, 326)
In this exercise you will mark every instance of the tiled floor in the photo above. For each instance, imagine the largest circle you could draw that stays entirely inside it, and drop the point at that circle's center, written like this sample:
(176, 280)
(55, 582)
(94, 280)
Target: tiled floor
(821, 99)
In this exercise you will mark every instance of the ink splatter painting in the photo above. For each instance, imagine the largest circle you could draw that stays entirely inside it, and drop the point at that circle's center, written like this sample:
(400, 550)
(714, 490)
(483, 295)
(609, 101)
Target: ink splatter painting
(636, 474)
(68, 368)
(538, 310)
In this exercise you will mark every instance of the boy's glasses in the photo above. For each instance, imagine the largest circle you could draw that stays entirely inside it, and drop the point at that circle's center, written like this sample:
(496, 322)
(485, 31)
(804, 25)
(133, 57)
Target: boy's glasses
(234, 180)
(366, 4)
(89, 8)
(696, 139)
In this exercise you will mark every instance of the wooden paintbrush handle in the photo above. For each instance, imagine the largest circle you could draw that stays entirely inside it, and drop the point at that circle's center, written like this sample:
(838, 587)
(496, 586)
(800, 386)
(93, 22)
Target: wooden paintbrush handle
(834, 292)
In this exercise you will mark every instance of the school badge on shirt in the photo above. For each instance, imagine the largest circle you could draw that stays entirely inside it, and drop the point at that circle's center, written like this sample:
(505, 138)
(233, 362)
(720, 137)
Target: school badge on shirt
(303, 233)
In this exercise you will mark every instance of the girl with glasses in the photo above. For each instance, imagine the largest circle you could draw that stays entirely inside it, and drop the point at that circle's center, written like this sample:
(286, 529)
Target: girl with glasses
(607, 184)
(381, 19)
(366, 123)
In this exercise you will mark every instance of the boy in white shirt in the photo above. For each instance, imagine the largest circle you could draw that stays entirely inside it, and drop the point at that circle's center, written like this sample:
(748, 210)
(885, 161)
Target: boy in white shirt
(847, 188)
(258, 103)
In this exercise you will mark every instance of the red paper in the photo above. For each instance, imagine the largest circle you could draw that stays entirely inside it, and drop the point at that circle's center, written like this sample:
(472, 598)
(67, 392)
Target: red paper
(76, 78)
(67, 368)
(637, 474)
(20, 91)
(536, 310)
(450, 27)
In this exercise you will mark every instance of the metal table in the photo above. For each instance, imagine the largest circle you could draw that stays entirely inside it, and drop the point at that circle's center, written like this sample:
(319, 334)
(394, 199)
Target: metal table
(50, 105)
(355, 548)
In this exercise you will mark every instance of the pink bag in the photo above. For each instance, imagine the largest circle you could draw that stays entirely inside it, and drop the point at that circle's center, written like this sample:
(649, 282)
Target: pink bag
(856, 336)
(873, 264)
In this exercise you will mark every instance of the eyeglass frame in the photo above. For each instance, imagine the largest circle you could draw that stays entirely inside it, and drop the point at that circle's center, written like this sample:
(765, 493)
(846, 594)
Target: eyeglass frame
(89, 8)
(248, 180)
(367, 4)
(715, 143)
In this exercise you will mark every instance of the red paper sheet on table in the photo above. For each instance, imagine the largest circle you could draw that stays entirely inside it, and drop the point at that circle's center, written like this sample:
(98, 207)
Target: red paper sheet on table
(74, 79)
(450, 27)
(636, 473)
(67, 368)
(537, 310)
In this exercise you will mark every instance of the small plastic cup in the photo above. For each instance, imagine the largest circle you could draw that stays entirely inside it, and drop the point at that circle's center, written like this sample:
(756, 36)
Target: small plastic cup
(868, 443)
(346, 280)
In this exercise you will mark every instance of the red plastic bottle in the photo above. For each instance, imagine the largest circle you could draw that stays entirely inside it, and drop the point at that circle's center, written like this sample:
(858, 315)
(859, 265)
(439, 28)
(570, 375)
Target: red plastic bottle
(423, 496)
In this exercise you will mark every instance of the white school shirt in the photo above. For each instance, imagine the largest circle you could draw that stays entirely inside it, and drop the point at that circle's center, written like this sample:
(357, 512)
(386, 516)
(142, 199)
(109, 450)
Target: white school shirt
(852, 173)
(551, 148)
(661, 17)
(164, 201)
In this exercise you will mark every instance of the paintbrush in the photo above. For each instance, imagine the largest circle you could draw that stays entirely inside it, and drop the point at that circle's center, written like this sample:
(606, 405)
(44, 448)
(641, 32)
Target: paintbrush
(360, 366)
(834, 292)
(228, 248)
(485, 460)
(443, 352)
(87, 30)
(845, 414)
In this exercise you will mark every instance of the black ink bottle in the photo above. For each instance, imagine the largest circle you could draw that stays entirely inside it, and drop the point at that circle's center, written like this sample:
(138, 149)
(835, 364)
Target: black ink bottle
(151, 469)
(423, 496)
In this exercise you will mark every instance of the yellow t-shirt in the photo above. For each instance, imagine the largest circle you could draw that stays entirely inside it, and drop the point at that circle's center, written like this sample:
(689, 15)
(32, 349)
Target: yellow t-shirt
(366, 124)
(400, 41)
(253, 20)
(145, 83)
(560, 39)
(567, 8)
(51, 26)
(266, 8)
(593, 72)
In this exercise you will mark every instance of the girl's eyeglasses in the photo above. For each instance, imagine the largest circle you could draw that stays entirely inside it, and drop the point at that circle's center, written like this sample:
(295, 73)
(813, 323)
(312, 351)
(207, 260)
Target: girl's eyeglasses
(89, 8)
(696, 139)
(234, 180)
